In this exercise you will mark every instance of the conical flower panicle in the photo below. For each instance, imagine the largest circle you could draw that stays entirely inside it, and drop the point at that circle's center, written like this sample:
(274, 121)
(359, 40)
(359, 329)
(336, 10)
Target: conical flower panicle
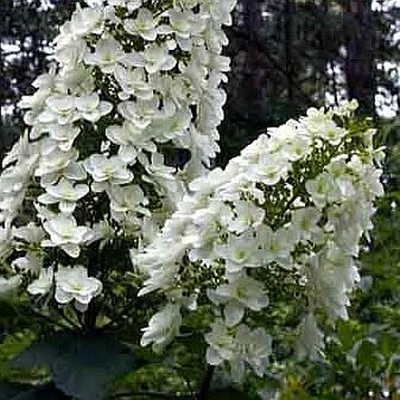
(284, 220)
(131, 80)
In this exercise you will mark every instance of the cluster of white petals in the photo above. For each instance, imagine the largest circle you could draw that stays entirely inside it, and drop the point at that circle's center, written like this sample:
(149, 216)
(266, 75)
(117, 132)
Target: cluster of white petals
(74, 284)
(132, 80)
(129, 78)
(296, 201)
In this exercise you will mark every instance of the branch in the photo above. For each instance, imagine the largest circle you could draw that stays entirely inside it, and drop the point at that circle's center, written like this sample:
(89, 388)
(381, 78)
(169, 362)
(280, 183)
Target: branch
(205, 387)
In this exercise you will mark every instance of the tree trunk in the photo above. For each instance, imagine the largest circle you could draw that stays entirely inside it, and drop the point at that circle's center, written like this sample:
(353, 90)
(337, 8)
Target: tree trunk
(289, 39)
(254, 90)
(360, 42)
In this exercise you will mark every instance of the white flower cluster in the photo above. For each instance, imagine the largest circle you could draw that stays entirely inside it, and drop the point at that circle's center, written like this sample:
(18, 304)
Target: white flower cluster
(131, 76)
(297, 200)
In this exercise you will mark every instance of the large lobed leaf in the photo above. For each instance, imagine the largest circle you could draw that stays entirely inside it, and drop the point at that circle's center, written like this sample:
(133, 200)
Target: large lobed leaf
(11, 391)
(82, 366)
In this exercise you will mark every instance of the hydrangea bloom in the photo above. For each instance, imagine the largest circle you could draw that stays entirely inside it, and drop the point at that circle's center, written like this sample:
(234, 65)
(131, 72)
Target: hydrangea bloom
(131, 78)
(296, 202)
(134, 79)
(74, 284)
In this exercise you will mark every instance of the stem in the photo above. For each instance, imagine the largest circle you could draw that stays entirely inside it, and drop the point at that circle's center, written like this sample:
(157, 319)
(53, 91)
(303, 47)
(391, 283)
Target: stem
(90, 317)
(205, 387)
(119, 315)
(69, 320)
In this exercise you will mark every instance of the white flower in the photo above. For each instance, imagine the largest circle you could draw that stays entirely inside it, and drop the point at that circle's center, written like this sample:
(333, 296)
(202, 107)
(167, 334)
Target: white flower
(46, 80)
(73, 283)
(333, 133)
(35, 101)
(20, 151)
(30, 262)
(43, 213)
(131, 5)
(5, 243)
(61, 109)
(297, 147)
(131, 140)
(160, 276)
(175, 127)
(9, 285)
(221, 11)
(107, 171)
(257, 346)
(64, 135)
(65, 233)
(53, 160)
(163, 327)
(269, 170)
(71, 53)
(124, 199)
(311, 340)
(304, 223)
(133, 81)
(242, 291)
(240, 347)
(157, 58)
(87, 20)
(107, 54)
(91, 108)
(276, 246)
(181, 22)
(221, 346)
(370, 176)
(322, 189)
(55, 163)
(319, 122)
(143, 25)
(333, 275)
(248, 215)
(43, 284)
(30, 233)
(64, 193)
(140, 112)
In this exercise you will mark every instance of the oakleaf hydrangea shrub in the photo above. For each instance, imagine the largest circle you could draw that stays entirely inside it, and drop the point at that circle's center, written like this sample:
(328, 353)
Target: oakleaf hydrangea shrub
(295, 203)
(131, 81)
(93, 218)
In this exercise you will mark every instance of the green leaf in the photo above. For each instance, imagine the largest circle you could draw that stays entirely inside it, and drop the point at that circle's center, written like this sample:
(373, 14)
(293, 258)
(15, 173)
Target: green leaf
(367, 355)
(45, 392)
(83, 366)
(13, 391)
(10, 390)
(389, 343)
(349, 332)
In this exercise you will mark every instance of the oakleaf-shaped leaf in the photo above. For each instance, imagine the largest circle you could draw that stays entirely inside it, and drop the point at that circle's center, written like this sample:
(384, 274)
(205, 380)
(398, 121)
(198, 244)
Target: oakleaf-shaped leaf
(82, 366)
(12, 391)
(45, 392)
